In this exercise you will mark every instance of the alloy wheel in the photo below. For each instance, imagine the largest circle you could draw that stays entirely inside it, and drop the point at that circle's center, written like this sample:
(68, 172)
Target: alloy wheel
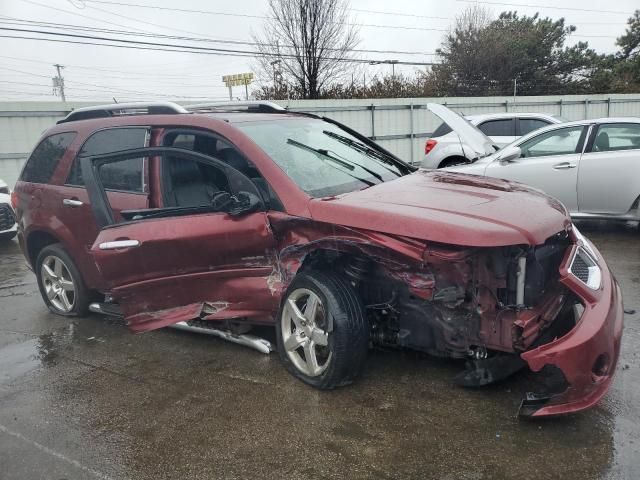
(304, 332)
(58, 283)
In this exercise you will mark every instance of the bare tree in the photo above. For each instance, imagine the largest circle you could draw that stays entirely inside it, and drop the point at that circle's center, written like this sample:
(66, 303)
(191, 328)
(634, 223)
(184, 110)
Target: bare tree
(473, 19)
(305, 45)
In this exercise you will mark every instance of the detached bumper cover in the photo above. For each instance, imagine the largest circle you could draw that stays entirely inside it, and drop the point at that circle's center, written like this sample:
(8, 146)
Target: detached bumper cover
(586, 356)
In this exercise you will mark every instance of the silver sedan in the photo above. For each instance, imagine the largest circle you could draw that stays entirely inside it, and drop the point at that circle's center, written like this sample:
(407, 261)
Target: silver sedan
(591, 166)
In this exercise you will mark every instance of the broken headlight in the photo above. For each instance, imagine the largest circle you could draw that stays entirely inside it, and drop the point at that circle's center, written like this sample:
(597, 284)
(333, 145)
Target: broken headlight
(586, 244)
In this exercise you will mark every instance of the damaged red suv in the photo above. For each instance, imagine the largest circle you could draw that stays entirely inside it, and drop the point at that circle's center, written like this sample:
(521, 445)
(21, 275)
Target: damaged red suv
(220, 218)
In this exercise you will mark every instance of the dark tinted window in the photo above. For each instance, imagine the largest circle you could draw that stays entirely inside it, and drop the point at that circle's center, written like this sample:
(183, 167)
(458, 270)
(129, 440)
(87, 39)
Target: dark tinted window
(443, 129)
(127, 175)
(45, 158)
(497, 128)
(528, 125)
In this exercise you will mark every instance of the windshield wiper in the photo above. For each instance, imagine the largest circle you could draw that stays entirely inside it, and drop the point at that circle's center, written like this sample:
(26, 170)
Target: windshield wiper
(368, 170)
(362, 148)
(323, 154)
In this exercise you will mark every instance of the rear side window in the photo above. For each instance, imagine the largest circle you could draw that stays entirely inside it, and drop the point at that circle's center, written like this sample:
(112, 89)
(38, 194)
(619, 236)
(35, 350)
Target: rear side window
(442, 130)
(45, 158)
(498, 128)
(126, 175)
(617, 136)
(528, 125)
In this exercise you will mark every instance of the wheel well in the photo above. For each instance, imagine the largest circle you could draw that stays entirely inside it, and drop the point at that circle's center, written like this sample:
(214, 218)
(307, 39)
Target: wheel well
(36, 242)
(453, 160)
(353, 264)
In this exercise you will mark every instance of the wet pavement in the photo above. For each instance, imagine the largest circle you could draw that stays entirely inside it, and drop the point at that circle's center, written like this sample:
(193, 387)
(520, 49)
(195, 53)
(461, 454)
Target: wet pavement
(84, 398)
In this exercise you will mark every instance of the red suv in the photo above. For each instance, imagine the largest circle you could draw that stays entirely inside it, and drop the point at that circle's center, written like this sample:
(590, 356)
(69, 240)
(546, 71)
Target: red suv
(223, 217)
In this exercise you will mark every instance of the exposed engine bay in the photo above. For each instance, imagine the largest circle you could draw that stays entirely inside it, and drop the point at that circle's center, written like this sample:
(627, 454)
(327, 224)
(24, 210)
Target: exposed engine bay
(485, 305)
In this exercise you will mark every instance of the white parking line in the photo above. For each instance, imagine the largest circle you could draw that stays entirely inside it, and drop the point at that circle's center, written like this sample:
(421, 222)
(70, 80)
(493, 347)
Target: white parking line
(53, 453)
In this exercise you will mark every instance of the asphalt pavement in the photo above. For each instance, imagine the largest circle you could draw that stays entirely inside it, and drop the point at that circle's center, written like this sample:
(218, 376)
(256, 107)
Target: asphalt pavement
(86, 399)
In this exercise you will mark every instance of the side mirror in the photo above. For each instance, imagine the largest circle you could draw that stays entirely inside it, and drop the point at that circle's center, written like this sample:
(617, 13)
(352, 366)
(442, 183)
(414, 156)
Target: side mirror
(509, 154)
(236, 205)
(244, 202)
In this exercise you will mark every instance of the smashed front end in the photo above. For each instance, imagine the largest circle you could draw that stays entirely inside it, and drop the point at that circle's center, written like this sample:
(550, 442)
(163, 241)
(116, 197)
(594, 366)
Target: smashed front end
(554, 308)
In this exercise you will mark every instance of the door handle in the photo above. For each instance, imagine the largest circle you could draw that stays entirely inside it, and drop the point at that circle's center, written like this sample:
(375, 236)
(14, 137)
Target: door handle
(116, 244)
(564, 166)
(72, 202)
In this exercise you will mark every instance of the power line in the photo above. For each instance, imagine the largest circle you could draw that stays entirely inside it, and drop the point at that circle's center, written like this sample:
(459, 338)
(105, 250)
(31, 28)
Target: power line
(111, 70)
(102, 87)
(25, 22)
(413, 15)
(209, 12)
(173, 47)
(575, 9)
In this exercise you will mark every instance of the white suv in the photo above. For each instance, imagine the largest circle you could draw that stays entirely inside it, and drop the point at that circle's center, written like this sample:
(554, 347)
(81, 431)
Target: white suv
(446, 148)
(8, 226)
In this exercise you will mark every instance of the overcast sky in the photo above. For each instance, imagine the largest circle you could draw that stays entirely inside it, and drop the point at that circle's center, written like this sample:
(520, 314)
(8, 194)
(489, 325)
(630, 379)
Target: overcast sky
(99, 73)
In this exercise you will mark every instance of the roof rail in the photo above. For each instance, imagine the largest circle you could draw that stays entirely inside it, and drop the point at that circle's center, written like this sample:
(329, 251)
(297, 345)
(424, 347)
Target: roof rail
(120, 109)
(250, 106)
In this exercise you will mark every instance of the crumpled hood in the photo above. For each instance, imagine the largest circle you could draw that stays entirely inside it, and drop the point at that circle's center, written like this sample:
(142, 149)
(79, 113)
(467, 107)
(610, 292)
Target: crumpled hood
(449, 208)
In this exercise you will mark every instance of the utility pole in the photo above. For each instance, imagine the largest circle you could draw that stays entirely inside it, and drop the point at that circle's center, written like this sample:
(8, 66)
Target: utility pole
(58, 82)
(393, 67)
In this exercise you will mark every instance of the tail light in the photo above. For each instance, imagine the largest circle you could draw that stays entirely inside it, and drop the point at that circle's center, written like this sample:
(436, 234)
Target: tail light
(14, 199)
(429, 145)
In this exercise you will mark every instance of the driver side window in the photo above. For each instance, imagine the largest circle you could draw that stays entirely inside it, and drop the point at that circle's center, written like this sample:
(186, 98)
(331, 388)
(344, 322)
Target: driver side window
(216, 147)
(556, 142)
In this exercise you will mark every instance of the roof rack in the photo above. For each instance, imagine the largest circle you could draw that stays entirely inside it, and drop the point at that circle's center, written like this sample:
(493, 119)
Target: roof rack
(121, 109)
(251, 106)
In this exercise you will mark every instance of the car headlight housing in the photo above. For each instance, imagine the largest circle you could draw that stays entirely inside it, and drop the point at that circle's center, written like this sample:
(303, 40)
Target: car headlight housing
(585, 268)
(586, 244)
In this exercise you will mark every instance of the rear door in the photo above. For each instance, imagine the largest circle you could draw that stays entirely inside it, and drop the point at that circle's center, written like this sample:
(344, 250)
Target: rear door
(502, 131)
(549, 162)
(198, 257)
(125, 183)
(609, 172)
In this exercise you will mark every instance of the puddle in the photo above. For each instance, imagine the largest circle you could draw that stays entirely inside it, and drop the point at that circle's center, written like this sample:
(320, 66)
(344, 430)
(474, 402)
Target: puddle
(18, 359)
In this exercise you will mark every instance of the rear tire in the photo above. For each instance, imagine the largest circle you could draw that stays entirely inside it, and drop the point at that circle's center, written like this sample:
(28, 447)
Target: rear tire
(60, 282)
(327, 346)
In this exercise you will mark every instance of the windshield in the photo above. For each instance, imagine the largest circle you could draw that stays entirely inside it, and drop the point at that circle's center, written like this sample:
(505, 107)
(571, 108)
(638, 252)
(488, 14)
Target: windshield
(321, 158)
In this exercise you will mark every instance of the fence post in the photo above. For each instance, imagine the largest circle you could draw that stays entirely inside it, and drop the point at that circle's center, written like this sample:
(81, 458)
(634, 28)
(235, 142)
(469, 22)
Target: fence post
(373, 120)
(560, 102)
(411, 133)
(609, 107)
(586, 108)
(506, 105)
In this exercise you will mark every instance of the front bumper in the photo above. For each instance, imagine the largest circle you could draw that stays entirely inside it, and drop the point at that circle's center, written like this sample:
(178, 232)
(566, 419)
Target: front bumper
(586, 356)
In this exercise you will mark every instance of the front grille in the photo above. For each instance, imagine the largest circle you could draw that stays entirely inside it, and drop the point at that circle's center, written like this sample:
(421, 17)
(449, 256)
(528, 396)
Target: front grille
(580, 269)
(7, 217)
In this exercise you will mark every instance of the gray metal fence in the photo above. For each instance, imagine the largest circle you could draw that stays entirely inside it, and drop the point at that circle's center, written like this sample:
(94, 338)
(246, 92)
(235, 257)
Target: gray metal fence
(399, 124)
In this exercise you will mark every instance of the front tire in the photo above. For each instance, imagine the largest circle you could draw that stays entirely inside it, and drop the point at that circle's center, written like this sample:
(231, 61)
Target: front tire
(322, 331)
(453, 161)
(60, 282)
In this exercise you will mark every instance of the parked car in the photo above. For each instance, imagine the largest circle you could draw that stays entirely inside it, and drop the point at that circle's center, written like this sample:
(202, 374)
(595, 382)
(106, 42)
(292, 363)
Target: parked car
(229, 216)
(8, 226)
(445, 148)
(591, 166)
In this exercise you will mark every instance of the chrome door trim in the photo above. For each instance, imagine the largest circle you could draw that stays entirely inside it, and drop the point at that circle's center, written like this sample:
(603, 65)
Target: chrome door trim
(564, 166)
(119, 244)
(70, 202)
